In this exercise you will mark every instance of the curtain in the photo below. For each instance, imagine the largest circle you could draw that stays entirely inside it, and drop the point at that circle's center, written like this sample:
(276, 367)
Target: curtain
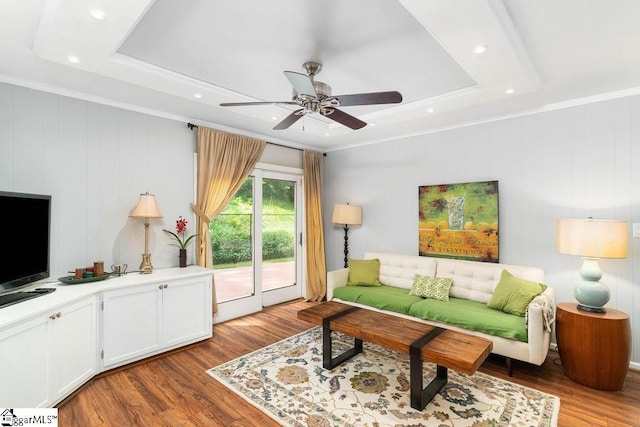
(316, 267)
(224, 162)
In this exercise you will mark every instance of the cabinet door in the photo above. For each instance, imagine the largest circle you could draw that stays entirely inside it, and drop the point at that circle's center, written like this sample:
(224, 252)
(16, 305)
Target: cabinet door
(186, 308)
(73, 347)
(130, 323)
(24, 366)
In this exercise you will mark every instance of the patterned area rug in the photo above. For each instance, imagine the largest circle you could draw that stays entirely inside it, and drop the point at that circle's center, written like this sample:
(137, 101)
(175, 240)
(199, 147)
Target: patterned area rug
(286, 381)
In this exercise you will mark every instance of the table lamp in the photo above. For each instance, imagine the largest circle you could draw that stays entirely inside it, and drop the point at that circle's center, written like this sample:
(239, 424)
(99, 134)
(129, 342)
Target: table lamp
(346, 215)
(592, 239)
(146, 208)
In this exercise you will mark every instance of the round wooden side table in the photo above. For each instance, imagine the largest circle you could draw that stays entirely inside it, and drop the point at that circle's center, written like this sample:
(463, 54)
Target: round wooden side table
(595, 348)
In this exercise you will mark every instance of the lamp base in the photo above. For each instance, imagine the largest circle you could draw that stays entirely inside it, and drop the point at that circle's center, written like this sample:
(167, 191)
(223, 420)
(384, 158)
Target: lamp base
(591, 309)
(145, 266)
(591, 294)
(346, 246)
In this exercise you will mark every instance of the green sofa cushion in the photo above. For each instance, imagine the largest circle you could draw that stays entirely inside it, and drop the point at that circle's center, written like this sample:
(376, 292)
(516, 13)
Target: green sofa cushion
(472, 315)
(467, 314)
(383, 297)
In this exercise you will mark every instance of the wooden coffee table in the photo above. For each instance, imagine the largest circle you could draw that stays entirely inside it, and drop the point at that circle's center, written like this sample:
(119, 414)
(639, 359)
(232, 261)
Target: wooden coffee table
(423, 343)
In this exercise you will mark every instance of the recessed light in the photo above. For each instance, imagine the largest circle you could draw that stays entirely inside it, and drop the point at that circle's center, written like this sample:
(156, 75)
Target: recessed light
(197, 95)
(372, 124)
(274, 118)
(73, 58)
(510, 91)
(326, 134)
(98, 14)
(430, 110)
(480, 49)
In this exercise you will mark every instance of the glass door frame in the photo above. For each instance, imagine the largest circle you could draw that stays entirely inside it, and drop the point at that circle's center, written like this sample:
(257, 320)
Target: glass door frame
(254, 303)
(288, 293)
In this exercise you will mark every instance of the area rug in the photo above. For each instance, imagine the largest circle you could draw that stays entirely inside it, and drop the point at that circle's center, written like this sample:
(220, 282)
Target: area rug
(287, 382)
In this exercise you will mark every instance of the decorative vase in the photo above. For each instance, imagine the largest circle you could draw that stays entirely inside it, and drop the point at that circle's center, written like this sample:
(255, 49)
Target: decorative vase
(183, 257)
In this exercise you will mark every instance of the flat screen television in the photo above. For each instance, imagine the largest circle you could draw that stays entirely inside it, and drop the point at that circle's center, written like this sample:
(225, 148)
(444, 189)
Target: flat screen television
(25, 227)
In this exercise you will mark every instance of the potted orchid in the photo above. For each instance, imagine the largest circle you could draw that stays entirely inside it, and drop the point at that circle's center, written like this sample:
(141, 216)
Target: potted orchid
(180, 241)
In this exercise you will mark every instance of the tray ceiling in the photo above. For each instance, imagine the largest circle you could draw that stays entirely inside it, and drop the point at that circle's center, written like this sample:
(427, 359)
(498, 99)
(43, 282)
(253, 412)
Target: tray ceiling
(181, 59)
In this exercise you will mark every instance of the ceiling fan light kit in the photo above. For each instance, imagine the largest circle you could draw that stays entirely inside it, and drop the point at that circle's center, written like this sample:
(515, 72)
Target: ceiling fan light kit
(315, 97)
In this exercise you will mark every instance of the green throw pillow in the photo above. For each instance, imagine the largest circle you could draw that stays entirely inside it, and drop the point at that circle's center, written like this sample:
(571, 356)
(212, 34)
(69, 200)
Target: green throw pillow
(512, 294)
(431, 287)
(364, 272)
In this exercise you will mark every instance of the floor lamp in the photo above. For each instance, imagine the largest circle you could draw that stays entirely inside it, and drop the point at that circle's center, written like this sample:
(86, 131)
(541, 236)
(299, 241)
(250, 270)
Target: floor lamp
(346, 215)
(146, 208)
(592, 239)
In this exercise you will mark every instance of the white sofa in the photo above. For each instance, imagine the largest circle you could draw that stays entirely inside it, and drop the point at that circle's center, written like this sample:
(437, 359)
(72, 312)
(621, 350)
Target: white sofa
(471, 280)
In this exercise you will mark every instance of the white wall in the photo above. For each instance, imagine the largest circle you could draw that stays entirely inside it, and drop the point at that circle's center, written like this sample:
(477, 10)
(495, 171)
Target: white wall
(570, 163)
(94, 161)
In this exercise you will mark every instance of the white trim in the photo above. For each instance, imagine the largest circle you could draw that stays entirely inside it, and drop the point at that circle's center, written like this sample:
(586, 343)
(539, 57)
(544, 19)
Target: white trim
(608, 96)
(278, 168)
(45, 87)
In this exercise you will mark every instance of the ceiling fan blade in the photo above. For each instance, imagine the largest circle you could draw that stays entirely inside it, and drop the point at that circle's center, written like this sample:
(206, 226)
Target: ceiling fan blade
(392, 97)
(237, 104)
(301, 83)
(343, 118)
(290, 119)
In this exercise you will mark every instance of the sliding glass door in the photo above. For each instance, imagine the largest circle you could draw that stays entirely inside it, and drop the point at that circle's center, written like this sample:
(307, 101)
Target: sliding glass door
(281, 231)
(256, 245)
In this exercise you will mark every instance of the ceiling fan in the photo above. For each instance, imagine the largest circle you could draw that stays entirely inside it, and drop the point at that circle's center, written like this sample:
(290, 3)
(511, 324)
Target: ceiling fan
(315, 97)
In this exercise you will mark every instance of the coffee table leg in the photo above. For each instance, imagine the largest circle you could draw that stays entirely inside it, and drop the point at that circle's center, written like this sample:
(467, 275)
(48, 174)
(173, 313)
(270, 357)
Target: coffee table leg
(329, 362)
(420, 397)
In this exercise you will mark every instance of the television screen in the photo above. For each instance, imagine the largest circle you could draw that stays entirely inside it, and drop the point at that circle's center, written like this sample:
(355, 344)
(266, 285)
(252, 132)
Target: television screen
(25, 220)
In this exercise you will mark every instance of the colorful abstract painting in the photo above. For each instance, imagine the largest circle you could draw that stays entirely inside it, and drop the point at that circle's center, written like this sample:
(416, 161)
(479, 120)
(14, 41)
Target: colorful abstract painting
(459, 221)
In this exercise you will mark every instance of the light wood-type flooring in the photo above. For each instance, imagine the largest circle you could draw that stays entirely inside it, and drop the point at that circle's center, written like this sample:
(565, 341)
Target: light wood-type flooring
(174, 390)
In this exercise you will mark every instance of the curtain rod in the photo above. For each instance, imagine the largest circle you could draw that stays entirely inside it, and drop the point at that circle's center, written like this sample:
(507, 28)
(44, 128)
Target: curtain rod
(192, 127)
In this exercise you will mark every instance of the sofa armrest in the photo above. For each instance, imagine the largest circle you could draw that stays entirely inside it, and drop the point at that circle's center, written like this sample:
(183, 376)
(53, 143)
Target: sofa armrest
(539, 339)
(336, 278)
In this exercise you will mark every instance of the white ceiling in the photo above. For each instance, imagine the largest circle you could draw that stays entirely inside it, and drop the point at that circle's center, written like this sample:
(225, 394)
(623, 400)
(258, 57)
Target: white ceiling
(154, 56)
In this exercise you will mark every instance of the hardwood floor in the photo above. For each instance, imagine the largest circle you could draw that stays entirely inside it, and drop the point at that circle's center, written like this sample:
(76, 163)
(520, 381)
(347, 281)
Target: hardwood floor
(175, 390)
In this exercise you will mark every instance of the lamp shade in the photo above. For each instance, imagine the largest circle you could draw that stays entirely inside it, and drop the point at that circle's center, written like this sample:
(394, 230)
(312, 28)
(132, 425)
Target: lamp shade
(347, 214)
(592, 238)
(146, 207)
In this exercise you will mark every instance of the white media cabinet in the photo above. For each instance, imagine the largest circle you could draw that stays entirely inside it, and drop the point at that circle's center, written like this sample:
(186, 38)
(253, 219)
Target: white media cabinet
(52, 344)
